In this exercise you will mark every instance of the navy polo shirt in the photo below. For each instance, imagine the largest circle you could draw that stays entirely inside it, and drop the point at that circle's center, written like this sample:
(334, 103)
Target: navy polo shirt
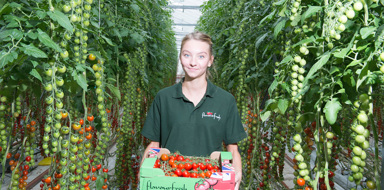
(178, 125)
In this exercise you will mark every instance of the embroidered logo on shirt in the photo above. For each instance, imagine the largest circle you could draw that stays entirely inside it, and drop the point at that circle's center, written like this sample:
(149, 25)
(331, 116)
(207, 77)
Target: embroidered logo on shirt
(211, 114)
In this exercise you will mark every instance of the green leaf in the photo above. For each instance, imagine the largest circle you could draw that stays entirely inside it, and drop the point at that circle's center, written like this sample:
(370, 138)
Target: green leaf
(41, 14)
(265, 115)
(331, 109)
(61, 19)
(36, 74)
(261, 39)
(310, 11)
(114, 90)
(34, 63)
(269, 17)
(99, 182)
(16, 34)
(46, 40)
(280, 2)
(362, 75)
(117, 33)
(307, 40)
(32, 35)
(286, 59)
(33, 51)
(337, 129)
(366, 31)
(319, 64)
(279, 26)
(272, 87)
(108, 40)
(5, 58)
(282, 105)
(80, 79)
(379, 34)
(135, 7)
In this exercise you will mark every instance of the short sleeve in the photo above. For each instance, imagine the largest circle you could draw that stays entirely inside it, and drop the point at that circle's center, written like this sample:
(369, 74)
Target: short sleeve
(151, 128)
(234, 128)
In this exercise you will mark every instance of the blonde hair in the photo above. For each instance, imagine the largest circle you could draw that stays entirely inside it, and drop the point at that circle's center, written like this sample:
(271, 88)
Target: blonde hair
(200, 36)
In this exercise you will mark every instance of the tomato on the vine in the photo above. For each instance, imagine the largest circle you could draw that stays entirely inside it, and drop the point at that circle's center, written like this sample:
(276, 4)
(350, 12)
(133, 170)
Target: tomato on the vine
(91, 57)
(81, 121)
(178, 172)
(188, 166)
(300, 182)
(90, 118)
(164, 157)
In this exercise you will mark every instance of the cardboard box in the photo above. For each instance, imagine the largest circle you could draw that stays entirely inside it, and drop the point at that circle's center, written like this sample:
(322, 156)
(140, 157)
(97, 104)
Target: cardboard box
(154, 178)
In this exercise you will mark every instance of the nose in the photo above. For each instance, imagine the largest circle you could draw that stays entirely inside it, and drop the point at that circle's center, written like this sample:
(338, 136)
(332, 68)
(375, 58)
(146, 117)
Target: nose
(192, 61)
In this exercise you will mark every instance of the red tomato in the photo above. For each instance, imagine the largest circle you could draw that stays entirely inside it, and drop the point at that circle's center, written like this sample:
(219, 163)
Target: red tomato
(81, 122)
(28, 158)
(193, 175)
(185, 173)
(203, 167)
(202, 175)
(208, 174)
(178, 172)
(180, 158)
(216, 167)
(207, 160)
(90, 118)
(195, 166)
(172, 157)
(188, 166)
(180, 166)
(171, 161)
(209, 167)
(187, 159)
(105, 170)
(174, 165)
(164, 157)
(300, 182)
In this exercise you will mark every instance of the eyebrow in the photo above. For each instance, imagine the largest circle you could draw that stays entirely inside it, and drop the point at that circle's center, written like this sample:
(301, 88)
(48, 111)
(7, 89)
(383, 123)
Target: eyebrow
(197, 53)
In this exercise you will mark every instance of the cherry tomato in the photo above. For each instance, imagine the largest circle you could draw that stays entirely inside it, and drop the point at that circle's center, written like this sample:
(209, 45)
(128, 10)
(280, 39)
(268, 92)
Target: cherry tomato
(105, 170)
(188, 166)
(180, 158)
(203, 167)
(180, 166)
(208, 174)
(9, 155)
(91, 57)
(195, 166)
(28, 158)
(185, 173)
(81, 121)
(178, 172)
(48, 180)
(300, 182)
(90, 118)
(171, 161)
(164, 157)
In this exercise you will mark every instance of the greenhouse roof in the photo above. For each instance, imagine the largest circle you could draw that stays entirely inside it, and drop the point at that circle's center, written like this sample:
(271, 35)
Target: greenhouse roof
(185, 15)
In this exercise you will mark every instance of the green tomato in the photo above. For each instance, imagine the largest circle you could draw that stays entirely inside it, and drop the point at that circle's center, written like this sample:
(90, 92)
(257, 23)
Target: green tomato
(297, 147)
(357, 150)
(49, 100)
(297, 59)
(366, 133)
(350, 13)
(56, 134)
(59, 104)
(74, 138)
(73, 158)
(382, 68)
(62, 69)
(54, 143)
(359, 138)
(46, 138)
(343, 19)
(365, 145)
(64, 130)
(329, 135)
(87, 7)
(299, 157)
(64, 143)
(86, 23)
(358, 6)
(359, 129)
(45, 146)
(354, 168)
(341, 27)
(63, 162)
(66, 8)
(48, 87)
(302, 165)
(74, 149)
(47, 128)
(64, 54)
(60, 82)
(382, 56)
(362, 117)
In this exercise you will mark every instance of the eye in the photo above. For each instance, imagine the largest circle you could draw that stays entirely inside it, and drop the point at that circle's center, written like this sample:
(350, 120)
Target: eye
(186, 55)
(201, 56)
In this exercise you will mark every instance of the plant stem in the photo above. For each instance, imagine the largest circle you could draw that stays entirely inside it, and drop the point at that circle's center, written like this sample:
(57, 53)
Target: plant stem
(376, 138)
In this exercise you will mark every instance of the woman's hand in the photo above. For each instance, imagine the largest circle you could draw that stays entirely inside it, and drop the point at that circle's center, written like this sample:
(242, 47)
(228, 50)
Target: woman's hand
(236, 161)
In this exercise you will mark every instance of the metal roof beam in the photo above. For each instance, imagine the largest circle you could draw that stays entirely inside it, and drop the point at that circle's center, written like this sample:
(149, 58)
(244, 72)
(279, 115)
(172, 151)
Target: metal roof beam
(184, 24)
(184, 7)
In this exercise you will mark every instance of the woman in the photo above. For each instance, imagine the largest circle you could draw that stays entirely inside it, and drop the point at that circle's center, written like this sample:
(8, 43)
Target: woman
(194, 116)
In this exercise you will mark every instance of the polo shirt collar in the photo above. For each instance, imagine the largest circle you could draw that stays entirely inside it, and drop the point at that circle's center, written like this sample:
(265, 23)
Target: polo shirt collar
(211, 89)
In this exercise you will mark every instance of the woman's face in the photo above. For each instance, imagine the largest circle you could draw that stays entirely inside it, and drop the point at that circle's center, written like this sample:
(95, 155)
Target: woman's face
(195, 58)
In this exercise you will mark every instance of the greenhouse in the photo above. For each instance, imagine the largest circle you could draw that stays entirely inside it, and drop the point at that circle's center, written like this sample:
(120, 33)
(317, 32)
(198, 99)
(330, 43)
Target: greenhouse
(191, 94)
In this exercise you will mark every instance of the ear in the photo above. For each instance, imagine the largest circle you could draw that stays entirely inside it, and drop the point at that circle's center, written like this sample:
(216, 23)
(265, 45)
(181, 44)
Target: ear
(211, 61)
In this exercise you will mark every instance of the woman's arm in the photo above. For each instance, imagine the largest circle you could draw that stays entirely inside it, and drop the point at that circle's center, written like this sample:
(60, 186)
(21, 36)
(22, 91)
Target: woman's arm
(233, 148)
(153, 144)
